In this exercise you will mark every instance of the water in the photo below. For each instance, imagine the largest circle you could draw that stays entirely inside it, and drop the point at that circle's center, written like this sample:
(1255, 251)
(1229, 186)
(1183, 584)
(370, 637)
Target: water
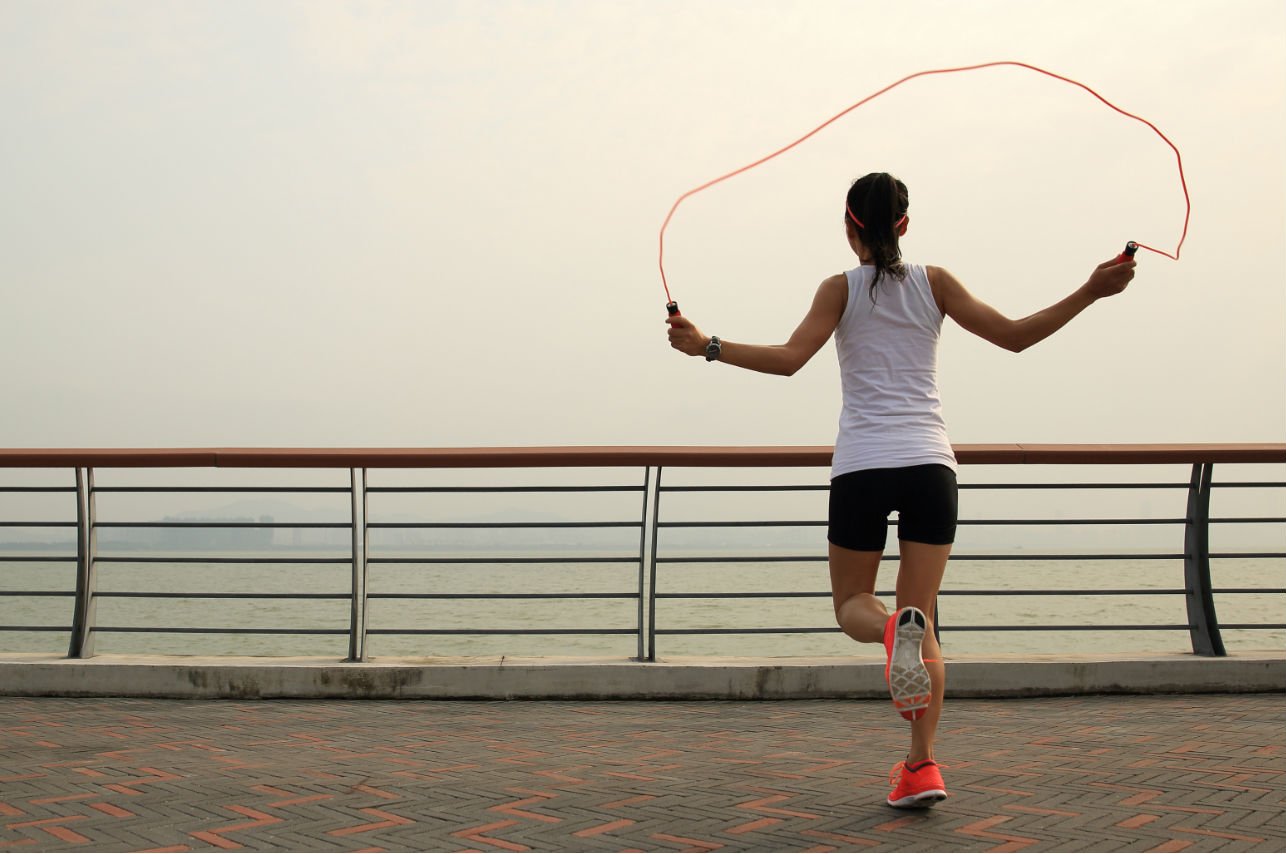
(962, 604)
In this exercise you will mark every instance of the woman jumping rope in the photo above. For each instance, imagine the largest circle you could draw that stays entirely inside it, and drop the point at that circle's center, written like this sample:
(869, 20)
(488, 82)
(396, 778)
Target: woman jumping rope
(892, 452)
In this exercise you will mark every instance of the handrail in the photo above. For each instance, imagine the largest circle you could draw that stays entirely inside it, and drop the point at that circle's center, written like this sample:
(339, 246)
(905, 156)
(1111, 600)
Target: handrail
(624, 455)
(1202, 623)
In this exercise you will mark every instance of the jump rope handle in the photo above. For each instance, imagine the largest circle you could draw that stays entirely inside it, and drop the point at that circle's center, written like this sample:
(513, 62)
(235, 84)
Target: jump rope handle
(1130, 249)
(672, 308)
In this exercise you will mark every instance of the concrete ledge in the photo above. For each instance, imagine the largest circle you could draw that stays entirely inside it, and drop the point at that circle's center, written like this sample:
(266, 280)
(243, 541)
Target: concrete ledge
(616, 679)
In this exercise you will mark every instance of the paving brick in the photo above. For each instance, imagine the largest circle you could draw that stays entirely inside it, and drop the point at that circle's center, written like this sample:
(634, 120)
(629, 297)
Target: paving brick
(1165, 773)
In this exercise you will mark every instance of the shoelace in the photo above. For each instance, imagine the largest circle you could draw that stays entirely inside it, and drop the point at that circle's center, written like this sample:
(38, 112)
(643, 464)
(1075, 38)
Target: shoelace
(896, 771)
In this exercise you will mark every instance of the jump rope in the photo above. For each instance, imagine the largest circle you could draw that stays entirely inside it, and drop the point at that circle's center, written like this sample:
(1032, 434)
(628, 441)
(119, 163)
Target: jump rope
(1131, 247)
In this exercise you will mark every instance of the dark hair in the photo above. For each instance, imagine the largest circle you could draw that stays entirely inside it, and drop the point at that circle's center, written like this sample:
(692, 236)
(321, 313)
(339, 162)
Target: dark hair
(875, 206)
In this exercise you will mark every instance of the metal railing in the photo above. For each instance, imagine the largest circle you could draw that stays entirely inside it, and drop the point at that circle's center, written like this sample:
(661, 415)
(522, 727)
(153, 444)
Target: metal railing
(653, 524)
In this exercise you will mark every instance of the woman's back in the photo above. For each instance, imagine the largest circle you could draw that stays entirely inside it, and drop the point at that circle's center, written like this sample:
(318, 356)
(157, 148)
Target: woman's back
(887, 343)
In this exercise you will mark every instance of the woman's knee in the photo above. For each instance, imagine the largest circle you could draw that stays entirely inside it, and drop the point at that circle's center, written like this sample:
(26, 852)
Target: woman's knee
(868, 602)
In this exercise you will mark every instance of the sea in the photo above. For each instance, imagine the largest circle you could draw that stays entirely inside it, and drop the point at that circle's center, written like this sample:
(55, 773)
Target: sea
(711, 605)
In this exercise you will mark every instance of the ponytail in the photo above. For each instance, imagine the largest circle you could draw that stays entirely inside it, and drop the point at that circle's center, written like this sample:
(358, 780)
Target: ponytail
(876, 207)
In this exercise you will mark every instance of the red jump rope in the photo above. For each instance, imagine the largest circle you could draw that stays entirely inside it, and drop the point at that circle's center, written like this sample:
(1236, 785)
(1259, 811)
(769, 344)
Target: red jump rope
(672, 307)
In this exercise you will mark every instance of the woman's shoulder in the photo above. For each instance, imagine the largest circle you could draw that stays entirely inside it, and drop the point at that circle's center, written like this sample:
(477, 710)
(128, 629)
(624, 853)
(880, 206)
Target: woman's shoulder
(834, 289)
(929, 273)
(939, 281)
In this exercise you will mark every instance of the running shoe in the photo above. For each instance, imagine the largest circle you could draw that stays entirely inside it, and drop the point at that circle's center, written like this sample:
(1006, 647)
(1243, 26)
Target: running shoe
(918, 785)
(905, 673)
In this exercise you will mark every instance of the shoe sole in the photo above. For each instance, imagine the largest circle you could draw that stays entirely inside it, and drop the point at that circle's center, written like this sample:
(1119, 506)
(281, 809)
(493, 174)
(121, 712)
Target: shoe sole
(923, 800)
(909, 683)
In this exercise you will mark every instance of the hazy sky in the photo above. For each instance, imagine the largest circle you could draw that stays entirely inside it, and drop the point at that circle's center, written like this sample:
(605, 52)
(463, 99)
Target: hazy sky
(435, 224)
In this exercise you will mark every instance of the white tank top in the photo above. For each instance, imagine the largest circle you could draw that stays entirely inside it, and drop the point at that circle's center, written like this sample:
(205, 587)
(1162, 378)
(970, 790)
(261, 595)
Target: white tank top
(888, 360)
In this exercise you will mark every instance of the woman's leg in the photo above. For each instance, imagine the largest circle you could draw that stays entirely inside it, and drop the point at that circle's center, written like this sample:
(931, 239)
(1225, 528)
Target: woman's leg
(919, 577)
(858, 612)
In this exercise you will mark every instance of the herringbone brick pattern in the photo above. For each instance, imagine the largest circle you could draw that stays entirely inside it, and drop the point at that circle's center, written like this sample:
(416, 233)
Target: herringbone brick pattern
(1163, 773)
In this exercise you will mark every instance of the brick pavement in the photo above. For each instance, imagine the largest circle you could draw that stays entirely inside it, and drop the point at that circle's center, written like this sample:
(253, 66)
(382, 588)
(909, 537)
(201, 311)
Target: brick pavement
(1152, 773)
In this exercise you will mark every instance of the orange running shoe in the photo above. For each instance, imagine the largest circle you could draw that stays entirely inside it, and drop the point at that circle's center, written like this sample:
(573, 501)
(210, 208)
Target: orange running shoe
(916, 786)
(905, 673)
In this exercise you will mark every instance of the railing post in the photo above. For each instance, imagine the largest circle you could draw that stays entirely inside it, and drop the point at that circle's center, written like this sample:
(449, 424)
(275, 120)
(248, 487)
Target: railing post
(1203, 624)
(937, 620)
(643, 552)
(357, 614)
(86, 606)
(651, 594)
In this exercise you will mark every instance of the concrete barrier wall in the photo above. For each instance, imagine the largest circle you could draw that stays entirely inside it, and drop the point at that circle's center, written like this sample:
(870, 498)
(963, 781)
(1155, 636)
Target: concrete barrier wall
(615, 679)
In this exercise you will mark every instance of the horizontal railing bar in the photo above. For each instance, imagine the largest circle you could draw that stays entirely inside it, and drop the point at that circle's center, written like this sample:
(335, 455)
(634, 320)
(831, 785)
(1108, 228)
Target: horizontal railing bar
(780, 594)
(813, 558)
(616, 456)
(440, 526)
(1224, 555)
(1145, 591)
(1248, 590)
(224, 525)
(1143, 627)
(947, 628)
(749, 523)
(37, 524)
(188, 630)
(811, 487)
(35, 558)
(37, 489)
(144, 490)
(502, 631)
(822, 487)
(814, 524)
(487, 490)
(801, 630)
(1149, 521)
(795, 594)
(1249, 484)
(201, 559)
(744, 559)
(1248, 520)
(1062, 486)
(501, 560)
(975, 628)
(1253, 626)
(634, 558)
(131, 594)
(35, 628)
(481, 596)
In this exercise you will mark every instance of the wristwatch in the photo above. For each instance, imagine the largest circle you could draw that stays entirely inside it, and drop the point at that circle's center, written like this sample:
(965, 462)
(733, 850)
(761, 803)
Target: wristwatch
(714, 349)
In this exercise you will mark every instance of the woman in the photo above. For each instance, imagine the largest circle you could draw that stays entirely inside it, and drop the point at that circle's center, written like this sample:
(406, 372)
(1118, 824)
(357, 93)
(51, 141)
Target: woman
(892, 452)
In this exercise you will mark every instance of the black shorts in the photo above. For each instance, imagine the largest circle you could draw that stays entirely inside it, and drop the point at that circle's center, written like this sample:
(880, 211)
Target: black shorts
(925, 498)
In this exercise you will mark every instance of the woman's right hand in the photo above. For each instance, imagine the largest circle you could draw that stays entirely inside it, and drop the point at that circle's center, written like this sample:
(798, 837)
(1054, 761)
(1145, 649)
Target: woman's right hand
(685, 337)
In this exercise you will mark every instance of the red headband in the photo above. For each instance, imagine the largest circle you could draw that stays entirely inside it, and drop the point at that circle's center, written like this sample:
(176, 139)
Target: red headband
(859, 223)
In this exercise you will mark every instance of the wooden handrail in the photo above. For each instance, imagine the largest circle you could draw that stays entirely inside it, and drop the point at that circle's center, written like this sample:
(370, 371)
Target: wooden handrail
(614, 456)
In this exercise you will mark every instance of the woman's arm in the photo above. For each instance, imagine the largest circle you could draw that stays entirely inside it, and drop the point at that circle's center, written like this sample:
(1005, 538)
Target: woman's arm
(783, 359)
(1108, 279)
